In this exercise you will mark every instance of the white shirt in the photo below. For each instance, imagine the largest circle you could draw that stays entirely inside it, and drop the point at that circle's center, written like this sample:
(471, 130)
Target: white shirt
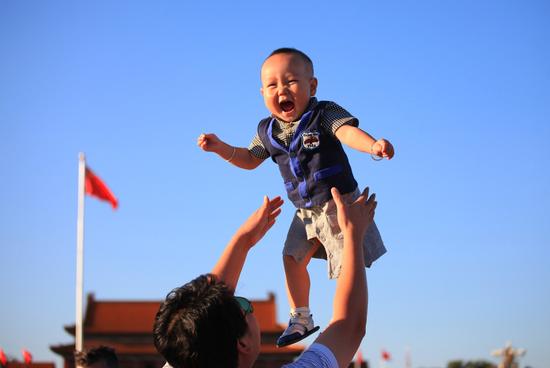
(316, 356)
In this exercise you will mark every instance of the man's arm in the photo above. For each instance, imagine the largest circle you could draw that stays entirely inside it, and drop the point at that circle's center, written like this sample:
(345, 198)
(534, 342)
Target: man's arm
(238, 156)
(362, 141)
(229, 266)
(349, 317)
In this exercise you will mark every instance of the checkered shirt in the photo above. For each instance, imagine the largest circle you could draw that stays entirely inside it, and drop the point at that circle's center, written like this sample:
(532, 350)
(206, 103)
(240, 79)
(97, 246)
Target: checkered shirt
(333, 118)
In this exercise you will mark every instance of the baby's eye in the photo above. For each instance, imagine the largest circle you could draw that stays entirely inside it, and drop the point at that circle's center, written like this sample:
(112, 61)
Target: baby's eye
(293, 81)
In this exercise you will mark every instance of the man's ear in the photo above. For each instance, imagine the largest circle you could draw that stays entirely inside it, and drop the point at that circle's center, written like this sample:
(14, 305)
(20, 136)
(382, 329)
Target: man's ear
(243, 345)
(313, 86)
(262, 91)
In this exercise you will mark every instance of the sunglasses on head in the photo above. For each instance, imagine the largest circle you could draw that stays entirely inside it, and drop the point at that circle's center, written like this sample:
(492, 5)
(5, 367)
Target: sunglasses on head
(245, 304)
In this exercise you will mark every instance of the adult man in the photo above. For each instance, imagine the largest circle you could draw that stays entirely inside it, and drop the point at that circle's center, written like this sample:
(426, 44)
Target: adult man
(100, 357)
(202, 324)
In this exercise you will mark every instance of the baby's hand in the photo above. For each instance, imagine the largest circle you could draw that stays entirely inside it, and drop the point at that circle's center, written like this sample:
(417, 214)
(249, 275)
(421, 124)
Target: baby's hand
(383, 148)
(208, 142)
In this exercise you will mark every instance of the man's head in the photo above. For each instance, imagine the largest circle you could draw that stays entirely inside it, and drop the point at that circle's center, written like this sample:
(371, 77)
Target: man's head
(202, 325)
(100, 357)
(287, 83)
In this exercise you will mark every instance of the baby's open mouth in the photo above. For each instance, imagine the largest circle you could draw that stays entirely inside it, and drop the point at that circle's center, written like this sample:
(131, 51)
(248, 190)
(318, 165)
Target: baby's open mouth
(287, 106)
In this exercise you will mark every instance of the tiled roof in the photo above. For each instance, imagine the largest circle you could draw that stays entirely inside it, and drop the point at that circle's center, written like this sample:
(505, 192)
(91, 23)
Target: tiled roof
(125, 317)
(266, 313)
(15, 364)
(107, 320)
(137, 317)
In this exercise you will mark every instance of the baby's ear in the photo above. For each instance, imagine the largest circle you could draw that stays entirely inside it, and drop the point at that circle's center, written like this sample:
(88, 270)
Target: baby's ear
(262, 91)
(313, 86)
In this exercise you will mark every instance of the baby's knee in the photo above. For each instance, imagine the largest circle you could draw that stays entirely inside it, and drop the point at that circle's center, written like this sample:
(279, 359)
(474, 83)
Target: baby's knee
(288, 259)
(292, 263)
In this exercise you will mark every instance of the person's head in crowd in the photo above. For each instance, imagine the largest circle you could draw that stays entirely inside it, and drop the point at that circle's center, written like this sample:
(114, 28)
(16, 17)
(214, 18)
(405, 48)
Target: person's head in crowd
(99, 357)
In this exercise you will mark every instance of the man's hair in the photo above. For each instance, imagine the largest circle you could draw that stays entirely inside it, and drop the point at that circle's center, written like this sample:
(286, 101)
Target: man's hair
(199, 324)
(100, 354)
(293, 51)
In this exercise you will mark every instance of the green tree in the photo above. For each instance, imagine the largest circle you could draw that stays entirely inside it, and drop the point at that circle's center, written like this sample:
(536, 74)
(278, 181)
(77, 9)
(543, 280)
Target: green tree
(479, 364)
(470, 364)
(455, 364)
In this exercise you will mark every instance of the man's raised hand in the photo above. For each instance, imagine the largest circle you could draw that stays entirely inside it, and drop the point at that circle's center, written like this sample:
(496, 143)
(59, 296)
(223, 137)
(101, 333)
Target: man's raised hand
(357, 216)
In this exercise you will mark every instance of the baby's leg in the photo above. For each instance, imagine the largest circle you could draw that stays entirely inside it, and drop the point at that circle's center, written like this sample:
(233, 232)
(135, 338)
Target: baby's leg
(301, 323)
(297, 277)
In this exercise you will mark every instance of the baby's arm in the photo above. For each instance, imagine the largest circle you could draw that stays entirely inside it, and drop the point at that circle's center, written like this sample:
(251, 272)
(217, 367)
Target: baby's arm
(238, 156)
(364, 142)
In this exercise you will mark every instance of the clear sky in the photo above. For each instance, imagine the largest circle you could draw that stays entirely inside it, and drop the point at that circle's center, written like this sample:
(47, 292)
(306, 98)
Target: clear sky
(461, 88)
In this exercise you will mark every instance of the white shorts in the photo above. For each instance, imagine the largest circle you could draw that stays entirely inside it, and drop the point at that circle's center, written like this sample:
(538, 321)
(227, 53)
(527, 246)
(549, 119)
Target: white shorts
(321, 223)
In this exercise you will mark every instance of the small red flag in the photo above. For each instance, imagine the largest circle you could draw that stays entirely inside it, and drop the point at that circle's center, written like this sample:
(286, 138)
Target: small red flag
(27, 357)
(359, 359)
(3, 358)
(95, 187)
(386, 355)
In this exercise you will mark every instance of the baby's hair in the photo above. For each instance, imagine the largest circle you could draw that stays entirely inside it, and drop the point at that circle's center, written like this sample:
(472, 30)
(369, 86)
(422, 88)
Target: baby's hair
(291, 50)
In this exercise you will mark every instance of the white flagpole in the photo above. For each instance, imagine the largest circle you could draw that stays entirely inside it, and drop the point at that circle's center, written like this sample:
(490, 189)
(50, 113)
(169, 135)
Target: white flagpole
(80, 252)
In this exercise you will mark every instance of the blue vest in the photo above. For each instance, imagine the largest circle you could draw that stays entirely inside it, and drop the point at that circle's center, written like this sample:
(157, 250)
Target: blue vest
(313, 163)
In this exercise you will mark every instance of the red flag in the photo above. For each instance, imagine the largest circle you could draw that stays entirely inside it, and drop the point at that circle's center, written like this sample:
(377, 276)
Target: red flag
(27, 357)
(3, 358)
(386, 355)
(359, 359)
(95, 187)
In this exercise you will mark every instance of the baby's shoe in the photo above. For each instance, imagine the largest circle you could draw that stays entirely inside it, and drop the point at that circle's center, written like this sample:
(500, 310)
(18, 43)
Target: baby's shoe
(299, 327)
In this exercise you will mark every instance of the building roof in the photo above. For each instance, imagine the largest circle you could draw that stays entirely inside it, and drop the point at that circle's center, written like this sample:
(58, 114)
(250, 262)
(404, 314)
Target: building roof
(127, 326)
(137, 317)
(16, 364)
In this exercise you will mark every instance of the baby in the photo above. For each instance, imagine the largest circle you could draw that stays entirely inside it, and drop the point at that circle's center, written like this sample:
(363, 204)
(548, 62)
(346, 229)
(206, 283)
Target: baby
(303, 137)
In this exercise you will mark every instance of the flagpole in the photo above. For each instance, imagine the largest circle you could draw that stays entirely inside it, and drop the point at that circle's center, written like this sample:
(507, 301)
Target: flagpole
(80, 252)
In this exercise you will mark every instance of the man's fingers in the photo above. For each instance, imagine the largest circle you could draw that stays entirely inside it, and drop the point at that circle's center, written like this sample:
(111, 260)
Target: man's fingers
(371, 200)
(271, 206)
(275, 213)
(365, 192)
(336, 196)
(371, 212)
(275, 203)
(363, 197)
(373, 206)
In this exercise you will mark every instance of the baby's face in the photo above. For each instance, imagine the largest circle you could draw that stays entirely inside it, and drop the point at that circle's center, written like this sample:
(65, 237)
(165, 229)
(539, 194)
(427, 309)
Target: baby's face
(287, 85)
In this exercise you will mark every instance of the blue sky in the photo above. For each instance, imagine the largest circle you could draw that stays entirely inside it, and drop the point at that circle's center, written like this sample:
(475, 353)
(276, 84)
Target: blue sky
(459, 87)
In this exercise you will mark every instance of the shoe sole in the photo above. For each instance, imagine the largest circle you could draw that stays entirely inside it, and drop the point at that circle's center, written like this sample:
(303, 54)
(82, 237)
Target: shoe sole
(290, 341)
